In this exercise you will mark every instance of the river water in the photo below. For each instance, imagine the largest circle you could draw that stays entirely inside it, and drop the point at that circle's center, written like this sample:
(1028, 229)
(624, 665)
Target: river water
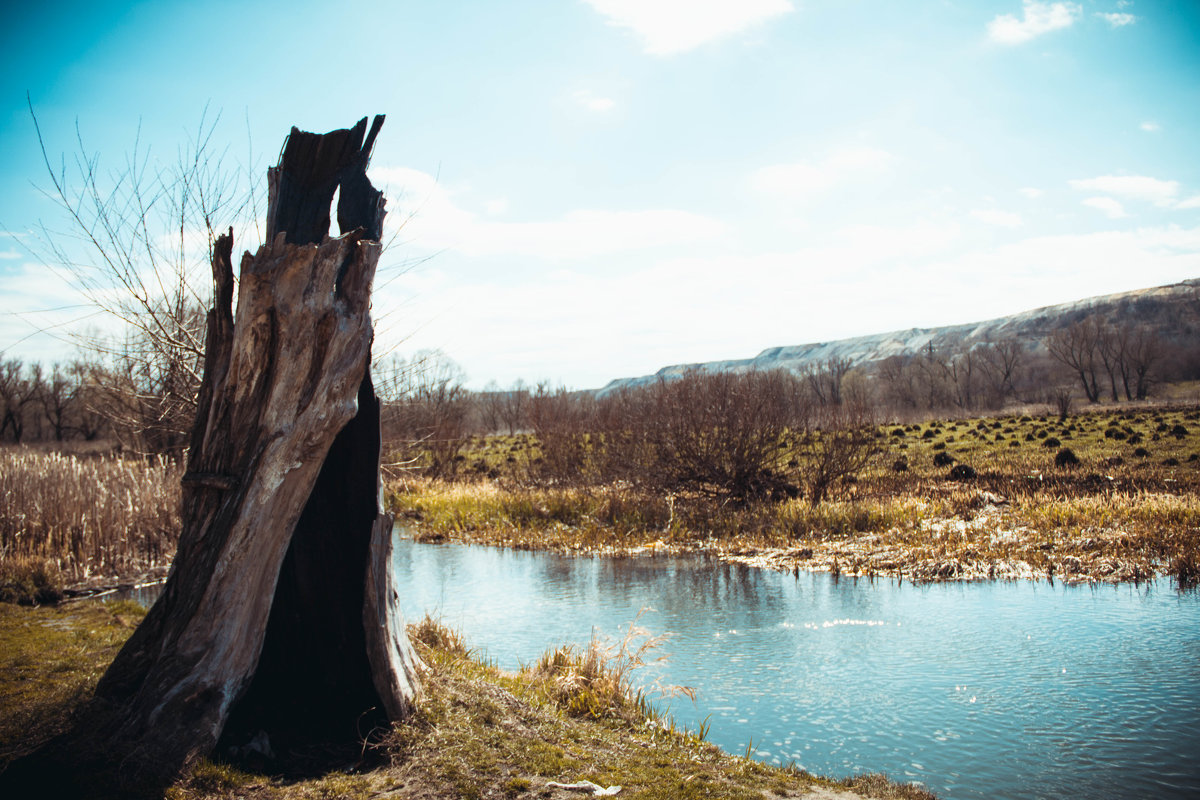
(998, 689)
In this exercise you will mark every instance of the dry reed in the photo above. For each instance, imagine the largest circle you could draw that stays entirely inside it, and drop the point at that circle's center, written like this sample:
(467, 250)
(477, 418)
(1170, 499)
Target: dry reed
(596, 681)
(87, 517)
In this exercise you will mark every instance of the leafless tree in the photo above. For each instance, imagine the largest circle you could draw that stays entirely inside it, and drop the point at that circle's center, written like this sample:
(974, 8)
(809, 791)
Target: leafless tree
(59, 397)
(504, 409)
(18, 392)
(1001, 363)
(933, 370)
(490, 403)
(514, 411)
(1111, 342)
(1144, 350)
(89, 422)
(962, 374)
(1075, 348)
(897, 381)
(137, 243)
(825, 379)
(858, 390)
(425, 410)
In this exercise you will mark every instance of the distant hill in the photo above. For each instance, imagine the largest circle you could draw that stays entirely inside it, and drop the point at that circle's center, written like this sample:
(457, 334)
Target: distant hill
(1173, 311)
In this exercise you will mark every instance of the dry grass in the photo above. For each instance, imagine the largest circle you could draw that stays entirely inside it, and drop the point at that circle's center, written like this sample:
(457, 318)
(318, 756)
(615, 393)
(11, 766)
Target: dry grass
(77, 518)
(957, 533)
(596, 681)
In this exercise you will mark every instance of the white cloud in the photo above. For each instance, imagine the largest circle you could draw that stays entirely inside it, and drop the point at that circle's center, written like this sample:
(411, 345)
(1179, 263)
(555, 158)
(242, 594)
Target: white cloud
(1137, 187)
(39, 311)
(667, 27)
(1031, 192)
(587, 327)
(806, 179)
(1108, 205)
(434, 220)
(1150, 127)
(1191, 202)
(1002, 219)
(866, 245)
(594, 102)
(1052, 269)
(6, 255)
(1036, 19)
(1117, 20)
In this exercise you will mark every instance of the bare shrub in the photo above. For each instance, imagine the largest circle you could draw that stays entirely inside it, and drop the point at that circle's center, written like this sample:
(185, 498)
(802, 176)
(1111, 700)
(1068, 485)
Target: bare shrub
(136, 242)
(833, 451)
(424, 412)
(740, 437)
(721, 435)
(1061, 398)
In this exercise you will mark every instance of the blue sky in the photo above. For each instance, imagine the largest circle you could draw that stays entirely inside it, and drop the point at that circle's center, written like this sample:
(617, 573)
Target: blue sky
(588, 189)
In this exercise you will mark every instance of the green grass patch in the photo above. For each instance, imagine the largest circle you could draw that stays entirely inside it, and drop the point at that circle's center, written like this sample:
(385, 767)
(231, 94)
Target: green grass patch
(50, 661)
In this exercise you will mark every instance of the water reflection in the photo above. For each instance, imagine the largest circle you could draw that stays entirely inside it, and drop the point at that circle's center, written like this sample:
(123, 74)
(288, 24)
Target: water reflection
(977, 690)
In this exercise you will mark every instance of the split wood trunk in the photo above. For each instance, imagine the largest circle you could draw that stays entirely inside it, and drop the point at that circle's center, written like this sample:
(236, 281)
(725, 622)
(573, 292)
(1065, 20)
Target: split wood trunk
(279, 616)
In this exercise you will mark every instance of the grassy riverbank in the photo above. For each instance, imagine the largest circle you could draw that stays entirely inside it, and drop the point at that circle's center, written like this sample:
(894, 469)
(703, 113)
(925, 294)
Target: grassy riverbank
(1124, 505)
(479, 732)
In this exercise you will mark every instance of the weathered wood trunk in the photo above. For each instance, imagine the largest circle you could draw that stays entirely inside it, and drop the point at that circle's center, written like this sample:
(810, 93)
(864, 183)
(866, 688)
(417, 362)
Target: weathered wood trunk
(279, 615)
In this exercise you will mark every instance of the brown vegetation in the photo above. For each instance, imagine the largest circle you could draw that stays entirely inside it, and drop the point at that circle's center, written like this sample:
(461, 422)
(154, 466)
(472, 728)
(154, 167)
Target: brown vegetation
(85, 519)
(983, 498)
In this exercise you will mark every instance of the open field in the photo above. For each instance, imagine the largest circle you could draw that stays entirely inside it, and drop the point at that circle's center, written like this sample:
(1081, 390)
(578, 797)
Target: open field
(1108, 495)
(479, 733)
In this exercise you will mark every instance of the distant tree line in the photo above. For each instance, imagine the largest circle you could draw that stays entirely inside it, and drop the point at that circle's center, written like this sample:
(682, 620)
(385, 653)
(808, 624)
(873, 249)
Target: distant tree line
(1094, 358)
(738, 436)
(58, 404)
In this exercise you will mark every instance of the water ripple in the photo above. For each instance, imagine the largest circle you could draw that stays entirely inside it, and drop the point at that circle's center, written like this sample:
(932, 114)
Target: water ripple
(1011, 689)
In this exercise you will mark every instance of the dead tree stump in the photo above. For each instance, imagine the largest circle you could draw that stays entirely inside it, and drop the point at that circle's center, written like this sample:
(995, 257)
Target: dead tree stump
(279, 616)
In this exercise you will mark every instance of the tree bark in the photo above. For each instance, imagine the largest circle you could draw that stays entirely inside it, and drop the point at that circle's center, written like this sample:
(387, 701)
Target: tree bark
(279, 615)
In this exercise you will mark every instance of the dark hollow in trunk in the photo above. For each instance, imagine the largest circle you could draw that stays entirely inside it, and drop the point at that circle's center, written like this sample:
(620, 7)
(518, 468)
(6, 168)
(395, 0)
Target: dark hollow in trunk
(313, 686)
